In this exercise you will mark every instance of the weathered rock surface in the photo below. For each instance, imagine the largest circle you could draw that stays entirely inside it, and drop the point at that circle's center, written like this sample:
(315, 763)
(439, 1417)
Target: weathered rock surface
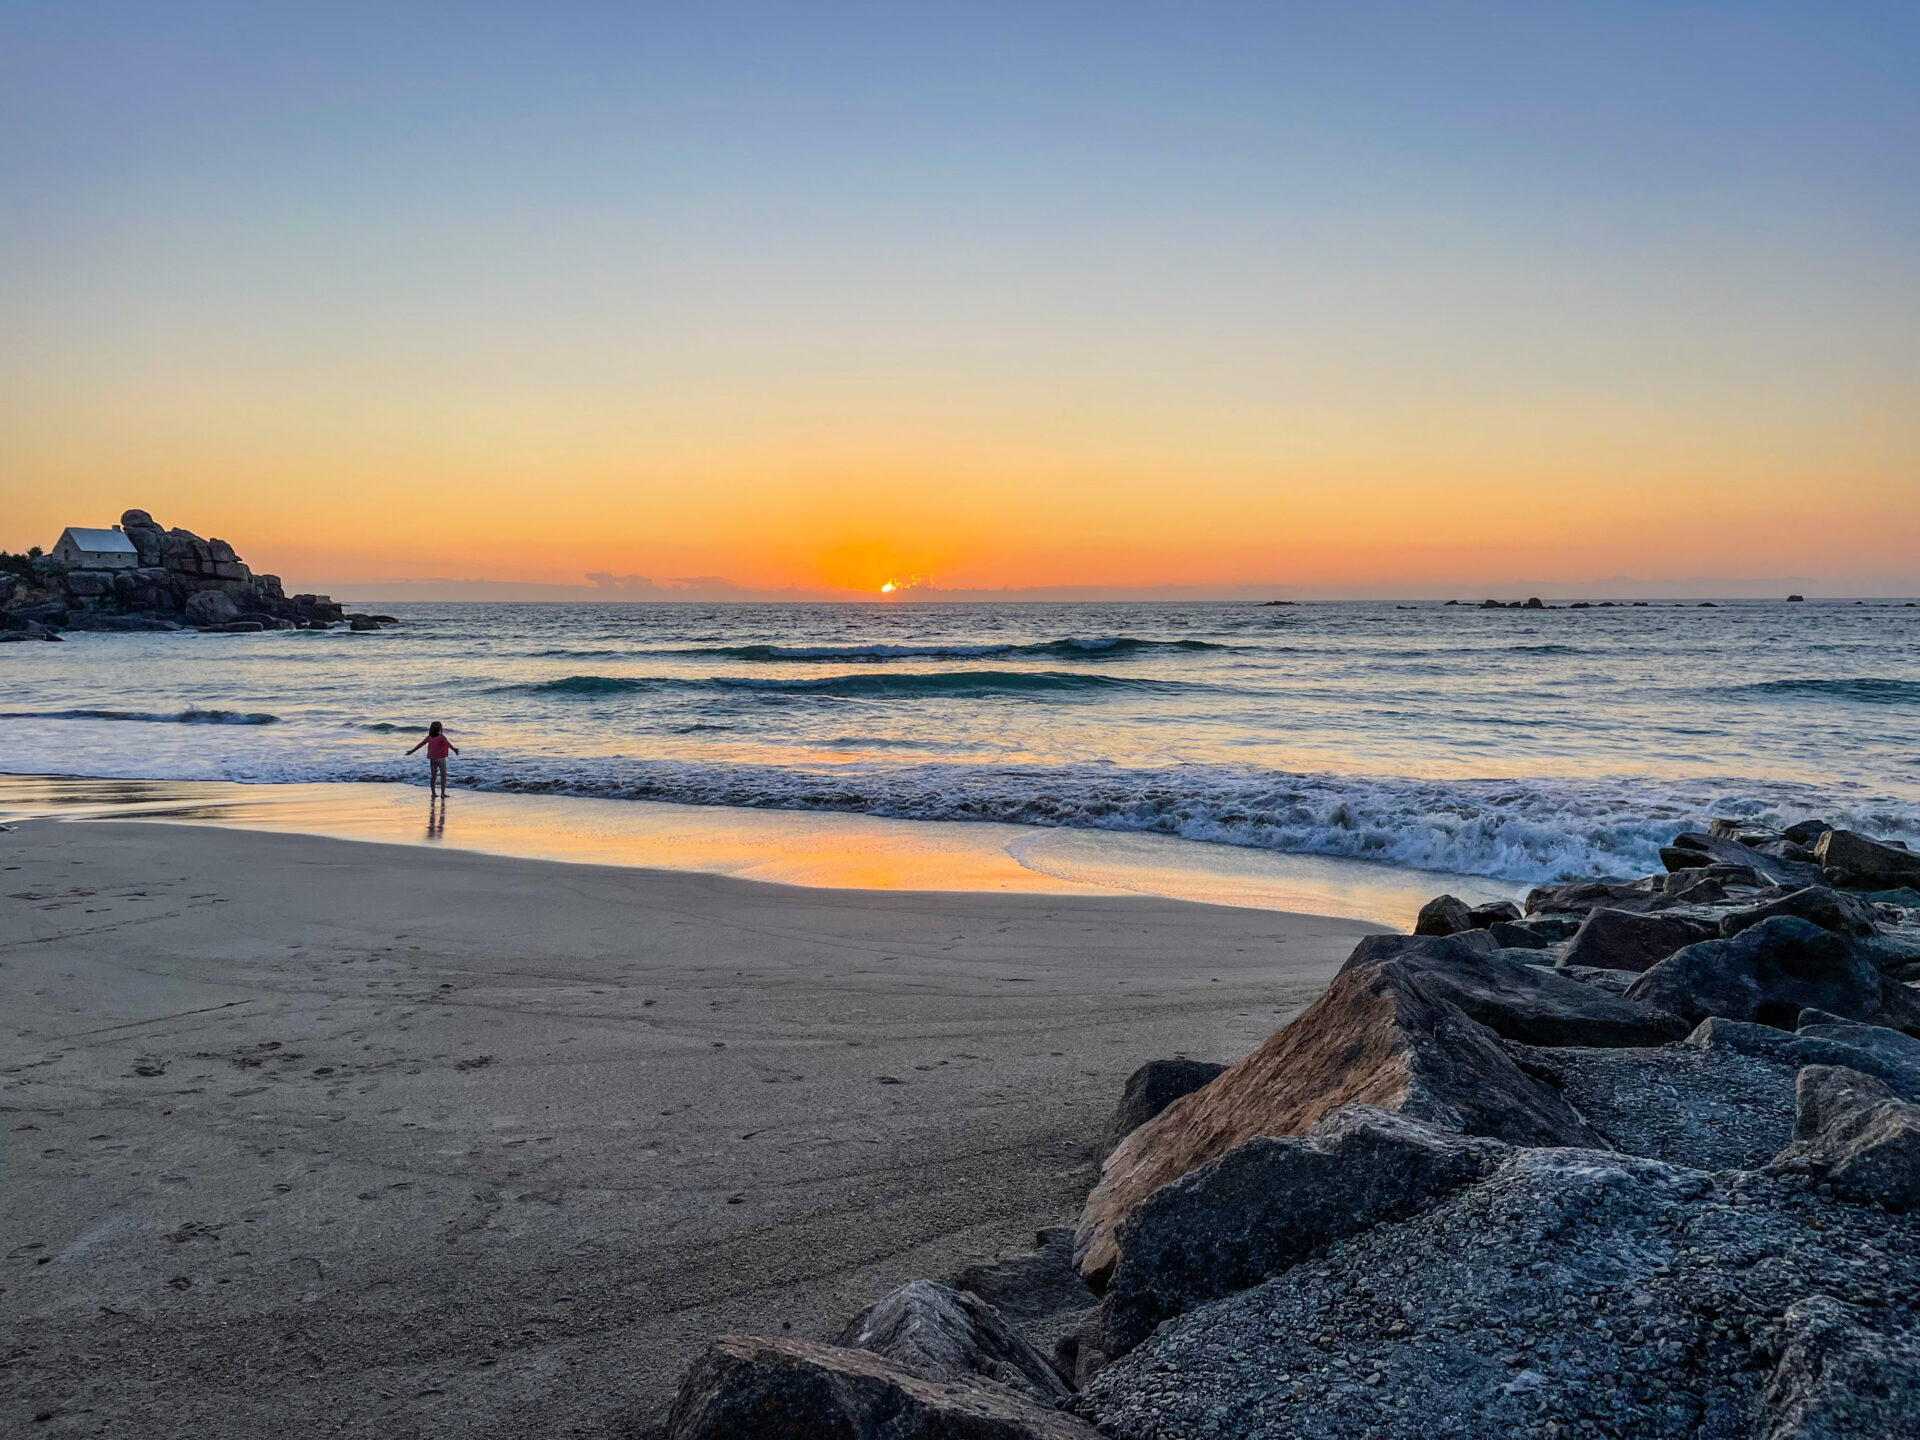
(1849, 858)
(1483, 916)
(1520, 1001)
(1708, 1109)
(1852, 1132)
(1841, 1379)
(1039, 1294)
(939, 1333)
(1375, 1037)
(1610, 939)
(1153, 1087)
(1443, 915)
(1588, 1291)
(1861, 1048)
(1721, 851)
(1771, 972)
(1268, 1202)
(1581, 896)
(751, 1389)
(1825, 907)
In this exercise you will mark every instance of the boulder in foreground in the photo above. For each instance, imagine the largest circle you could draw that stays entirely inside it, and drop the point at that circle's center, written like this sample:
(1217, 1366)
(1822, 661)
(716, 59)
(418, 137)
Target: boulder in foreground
(1267, 1203)
(751, 1389)
(939, 1333)
(1377, 1037)
(1610, 939)
(1853, 1132)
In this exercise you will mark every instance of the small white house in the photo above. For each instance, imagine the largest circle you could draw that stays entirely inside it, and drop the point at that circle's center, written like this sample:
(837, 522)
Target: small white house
(81, 548)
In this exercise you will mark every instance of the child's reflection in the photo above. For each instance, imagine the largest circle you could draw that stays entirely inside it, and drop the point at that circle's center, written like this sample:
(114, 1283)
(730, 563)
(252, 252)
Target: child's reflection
(436, 816)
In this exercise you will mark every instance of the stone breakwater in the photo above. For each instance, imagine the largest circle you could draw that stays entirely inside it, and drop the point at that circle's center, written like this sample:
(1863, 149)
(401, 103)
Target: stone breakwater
(1640, 1159)
(180, 582)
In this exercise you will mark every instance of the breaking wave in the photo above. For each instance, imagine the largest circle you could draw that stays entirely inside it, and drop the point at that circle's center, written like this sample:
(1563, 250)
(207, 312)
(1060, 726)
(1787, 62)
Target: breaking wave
(192, 715)
(960, 684)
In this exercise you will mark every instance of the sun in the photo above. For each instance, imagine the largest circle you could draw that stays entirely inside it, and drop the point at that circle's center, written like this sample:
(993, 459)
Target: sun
(887, 589)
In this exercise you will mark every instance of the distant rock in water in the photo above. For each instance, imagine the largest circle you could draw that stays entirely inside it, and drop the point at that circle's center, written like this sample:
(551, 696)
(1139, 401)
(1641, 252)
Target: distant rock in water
(178, 581)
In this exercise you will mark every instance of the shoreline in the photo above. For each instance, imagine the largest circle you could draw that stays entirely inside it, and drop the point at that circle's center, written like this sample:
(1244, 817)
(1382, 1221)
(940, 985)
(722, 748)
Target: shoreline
(810, 848)
(323, 1134)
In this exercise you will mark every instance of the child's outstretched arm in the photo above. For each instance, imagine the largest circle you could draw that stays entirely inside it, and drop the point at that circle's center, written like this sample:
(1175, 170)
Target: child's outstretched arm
(453, 747)
(416, 747)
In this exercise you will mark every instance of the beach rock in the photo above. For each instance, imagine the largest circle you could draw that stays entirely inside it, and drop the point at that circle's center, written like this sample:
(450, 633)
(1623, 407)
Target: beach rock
(21, 630)
(363, 623)
(1840, 1379)
(1038, 1293)
(1153, 1087)
(1771, 972)
(1570, 1293)
(1614, 982)
(939, 1333)
(1679, 857)
(1376, 1036)
(1268, 1203)
(1707, 1108)
(1483, 917)
(1517, 1000)
(1848, 858)
(1528, 935)
(1852, 1132)
(1805, 832)
(1577, 899)
(1612, 939)
(743, 1388)
(1865, 1048)
(208, 608)
(1827, 908)
(1443, 915)
(1721, 851)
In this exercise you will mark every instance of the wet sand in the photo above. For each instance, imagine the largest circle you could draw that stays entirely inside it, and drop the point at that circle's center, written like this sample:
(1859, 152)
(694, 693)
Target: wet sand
(312, 1136)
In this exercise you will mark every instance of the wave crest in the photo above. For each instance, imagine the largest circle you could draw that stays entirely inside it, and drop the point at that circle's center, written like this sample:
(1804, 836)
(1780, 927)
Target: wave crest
(192, 715)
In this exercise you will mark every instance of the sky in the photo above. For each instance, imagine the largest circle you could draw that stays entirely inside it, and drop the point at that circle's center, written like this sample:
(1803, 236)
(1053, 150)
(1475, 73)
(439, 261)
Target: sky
(1325, 299)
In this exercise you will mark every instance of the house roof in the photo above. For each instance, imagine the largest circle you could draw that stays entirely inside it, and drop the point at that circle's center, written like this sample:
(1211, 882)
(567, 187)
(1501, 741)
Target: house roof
(99, 542)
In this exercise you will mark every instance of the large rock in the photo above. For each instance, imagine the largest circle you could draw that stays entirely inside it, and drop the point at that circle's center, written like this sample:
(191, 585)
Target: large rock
(1376, 1036)
(1849, 858)
(1038, 1293)
(1852, 1132)
(1270, 1201)
(1517, 1000)
(1773, 971)
(1827, 908)
(1721, 851)
(939, 1333)
(1867, 1048)
(211, 608)
(744, 1388)
(1581, 896)
(1570, 1293)
(1485, 916)
(1840, 1379)
(1443, 915)
(1611, 939)
(1153, 1087)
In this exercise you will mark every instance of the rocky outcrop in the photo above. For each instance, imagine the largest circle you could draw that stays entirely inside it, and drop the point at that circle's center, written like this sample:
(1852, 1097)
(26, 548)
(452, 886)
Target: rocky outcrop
(1828, 908)
(1847, 858)
(1517, 1000)
(1268, 1203)
(752, 1389)
(180, 581)
(1853, 1133)
(1376, 1037)
(1610, 939)
(1153, 1087)
(939, 1333)
(1771, 972)
(1443, 915)
(1839, 1378)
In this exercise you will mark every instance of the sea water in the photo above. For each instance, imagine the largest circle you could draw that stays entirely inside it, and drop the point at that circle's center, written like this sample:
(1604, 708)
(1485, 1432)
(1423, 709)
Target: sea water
(1521, 745)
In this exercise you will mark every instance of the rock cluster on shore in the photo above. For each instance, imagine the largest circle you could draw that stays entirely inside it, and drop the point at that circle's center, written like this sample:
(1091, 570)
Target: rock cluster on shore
(1639, 1160)
(179, 582)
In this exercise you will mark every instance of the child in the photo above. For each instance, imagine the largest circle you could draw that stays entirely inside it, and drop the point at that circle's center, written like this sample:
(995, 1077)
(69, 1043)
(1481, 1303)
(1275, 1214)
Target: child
(437, 747)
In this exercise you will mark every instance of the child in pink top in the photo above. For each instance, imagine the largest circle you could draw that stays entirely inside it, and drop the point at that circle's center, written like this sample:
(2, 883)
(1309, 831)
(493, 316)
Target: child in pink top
(437, 747)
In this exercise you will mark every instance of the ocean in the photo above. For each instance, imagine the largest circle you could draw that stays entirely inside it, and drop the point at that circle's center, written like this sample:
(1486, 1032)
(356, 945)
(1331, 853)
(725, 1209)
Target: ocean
(1518, 745)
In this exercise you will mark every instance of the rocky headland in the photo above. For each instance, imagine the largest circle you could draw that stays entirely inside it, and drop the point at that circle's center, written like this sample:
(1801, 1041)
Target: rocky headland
(179, 582)
(1638, 1159)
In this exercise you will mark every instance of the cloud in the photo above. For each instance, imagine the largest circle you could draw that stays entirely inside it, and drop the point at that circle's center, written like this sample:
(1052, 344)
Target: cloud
(606, 581)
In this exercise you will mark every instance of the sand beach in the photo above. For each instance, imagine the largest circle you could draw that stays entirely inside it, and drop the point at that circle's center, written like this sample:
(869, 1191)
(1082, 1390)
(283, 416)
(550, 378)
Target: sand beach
(318, 1136)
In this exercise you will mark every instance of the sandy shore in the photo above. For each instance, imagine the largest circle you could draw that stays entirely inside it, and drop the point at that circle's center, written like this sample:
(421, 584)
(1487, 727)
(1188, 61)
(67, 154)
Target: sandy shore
(309, 1136)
